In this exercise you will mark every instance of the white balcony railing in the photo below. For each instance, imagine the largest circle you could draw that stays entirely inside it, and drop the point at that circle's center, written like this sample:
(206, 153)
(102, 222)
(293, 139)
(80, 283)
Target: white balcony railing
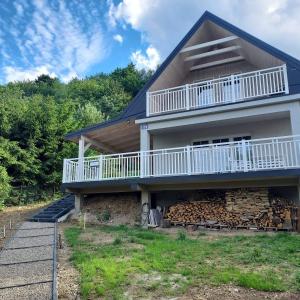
(254, 155)
(223, 90)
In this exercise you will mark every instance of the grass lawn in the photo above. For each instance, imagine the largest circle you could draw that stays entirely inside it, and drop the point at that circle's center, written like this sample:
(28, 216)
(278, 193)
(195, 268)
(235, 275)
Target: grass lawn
(118, 262)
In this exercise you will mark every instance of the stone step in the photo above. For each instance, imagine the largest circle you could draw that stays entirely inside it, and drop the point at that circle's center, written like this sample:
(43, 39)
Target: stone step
(25, 273)
(25, 255)
(31, 292)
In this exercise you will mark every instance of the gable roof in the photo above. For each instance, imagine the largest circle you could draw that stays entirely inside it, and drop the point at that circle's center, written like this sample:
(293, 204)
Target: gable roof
(136, 109)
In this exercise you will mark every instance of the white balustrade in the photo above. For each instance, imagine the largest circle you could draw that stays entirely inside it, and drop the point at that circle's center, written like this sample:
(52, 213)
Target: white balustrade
(271, 81)
(244, 156)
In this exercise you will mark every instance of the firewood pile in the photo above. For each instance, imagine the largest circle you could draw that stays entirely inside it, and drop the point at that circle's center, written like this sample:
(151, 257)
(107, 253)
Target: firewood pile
(243, 207)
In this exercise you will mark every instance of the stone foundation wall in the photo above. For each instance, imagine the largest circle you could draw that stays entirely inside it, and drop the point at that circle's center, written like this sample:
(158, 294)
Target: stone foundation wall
(117, 209)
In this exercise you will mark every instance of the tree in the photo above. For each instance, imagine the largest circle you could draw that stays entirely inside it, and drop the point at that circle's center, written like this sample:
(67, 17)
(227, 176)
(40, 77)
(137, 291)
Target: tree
(36, 115)
(5, 187)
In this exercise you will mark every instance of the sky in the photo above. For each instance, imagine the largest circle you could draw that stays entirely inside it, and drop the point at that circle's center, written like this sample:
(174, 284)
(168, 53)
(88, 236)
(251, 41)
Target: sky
(79, 38)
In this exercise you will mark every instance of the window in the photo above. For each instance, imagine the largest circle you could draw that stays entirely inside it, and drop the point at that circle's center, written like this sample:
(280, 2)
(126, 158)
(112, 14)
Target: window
(223, 140)
(200, 143)
(240, 138)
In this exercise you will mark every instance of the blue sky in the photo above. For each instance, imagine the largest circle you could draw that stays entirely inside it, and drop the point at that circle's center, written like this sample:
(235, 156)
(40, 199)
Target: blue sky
(76, 38)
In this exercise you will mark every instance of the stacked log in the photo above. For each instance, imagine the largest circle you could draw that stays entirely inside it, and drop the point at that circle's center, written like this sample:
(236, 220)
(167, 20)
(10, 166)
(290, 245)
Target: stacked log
(242, 207)
(202, 213)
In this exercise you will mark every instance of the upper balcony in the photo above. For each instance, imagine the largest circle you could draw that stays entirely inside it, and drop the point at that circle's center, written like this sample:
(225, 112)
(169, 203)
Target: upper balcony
(228, 89)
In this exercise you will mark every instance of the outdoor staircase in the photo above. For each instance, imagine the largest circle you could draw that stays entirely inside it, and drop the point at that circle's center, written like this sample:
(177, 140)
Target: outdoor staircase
(55, 210)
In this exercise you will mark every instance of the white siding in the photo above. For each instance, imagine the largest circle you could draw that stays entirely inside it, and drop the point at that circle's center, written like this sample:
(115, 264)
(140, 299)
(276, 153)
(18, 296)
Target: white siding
(261, 129)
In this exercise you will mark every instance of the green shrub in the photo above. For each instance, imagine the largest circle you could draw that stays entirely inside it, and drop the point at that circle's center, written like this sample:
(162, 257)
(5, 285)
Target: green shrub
(117, 241)
(297, 278)
(5, 187)
(106, 216)
(181, 236)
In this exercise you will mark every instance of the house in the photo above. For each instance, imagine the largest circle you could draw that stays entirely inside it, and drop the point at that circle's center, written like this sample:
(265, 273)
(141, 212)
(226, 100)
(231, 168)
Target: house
(221, 112)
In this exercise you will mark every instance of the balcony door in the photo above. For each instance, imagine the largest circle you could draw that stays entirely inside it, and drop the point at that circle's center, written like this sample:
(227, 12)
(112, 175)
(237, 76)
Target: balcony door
(216, 155)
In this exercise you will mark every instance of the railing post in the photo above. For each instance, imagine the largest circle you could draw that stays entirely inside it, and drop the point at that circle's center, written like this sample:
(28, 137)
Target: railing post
(188, 159)
(142, 164)
(232, 80)
(80, 169)
(147, 104)
(244, 154)
(187, 96)
(64, 179)
(285, 78)
(100, 167)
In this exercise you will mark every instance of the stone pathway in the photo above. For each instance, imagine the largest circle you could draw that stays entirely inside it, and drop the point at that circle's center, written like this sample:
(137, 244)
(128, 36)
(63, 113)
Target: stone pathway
(27, 263)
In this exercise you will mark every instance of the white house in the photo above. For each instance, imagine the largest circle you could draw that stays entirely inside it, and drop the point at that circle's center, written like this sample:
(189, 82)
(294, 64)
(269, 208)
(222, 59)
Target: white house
(222, 111)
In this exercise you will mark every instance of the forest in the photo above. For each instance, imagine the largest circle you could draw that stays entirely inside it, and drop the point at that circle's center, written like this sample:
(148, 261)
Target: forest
(35, 116)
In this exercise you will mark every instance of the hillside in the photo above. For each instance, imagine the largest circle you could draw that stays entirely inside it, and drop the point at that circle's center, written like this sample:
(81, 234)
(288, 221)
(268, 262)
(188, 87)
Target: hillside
(35, 116)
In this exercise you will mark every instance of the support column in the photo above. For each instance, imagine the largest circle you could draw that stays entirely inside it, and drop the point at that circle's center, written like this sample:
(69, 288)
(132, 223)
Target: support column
(297, 200)
(80, 170)
(144, 146)
(81, 149)
(78, 203)
(295, 118)
(144, 138)
(145, 203)
(298, 205)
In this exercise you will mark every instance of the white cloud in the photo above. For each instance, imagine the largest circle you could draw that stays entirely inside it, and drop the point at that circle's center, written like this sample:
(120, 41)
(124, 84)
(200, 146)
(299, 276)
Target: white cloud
(149, 61)
(164, 23)
(18, 74)
(54, 36)
(69, 76)
(131, 11)
(118, 38)
(19, 8)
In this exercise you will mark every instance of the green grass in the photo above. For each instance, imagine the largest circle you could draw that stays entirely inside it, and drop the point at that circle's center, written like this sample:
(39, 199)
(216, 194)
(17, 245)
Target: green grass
(151, 262)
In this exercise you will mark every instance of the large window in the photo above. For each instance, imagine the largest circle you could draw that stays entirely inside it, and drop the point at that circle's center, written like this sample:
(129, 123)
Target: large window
(221, 140)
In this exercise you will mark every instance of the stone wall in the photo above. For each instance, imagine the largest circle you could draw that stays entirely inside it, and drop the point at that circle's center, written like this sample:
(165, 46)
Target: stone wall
(116, 208)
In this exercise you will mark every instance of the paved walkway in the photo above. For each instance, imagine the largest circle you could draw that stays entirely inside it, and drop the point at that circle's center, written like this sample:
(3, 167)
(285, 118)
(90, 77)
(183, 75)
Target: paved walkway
(27, 263)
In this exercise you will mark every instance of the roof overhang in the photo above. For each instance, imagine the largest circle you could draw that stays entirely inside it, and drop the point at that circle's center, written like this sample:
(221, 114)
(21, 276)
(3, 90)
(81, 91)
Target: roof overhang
(117, 135)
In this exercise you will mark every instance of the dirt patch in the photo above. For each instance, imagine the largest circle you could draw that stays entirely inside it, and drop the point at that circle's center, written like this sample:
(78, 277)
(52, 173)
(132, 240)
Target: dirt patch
(228, 292)
(212, 234)
(153, 285)
(96, 238)
(114, 209)
(67, 276)
(16, 215)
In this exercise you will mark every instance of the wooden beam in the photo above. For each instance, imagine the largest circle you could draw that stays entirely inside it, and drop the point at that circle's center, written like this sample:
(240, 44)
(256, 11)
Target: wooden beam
(100, 145)
(210, 43)
(217, 62)
(123, 138)
(87, 146)
(211, 53)
(116, 129)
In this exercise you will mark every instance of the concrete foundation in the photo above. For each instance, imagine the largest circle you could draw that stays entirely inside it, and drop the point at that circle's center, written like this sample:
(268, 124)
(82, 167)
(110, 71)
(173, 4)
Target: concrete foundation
(78, 203)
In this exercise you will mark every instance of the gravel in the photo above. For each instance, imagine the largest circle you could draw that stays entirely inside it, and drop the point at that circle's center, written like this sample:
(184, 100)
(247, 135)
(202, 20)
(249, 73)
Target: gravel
(33, 272)
(32, 292)
(25, 273)
(29, 254)
(28, 242)
(38, 231)
(27, 225)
